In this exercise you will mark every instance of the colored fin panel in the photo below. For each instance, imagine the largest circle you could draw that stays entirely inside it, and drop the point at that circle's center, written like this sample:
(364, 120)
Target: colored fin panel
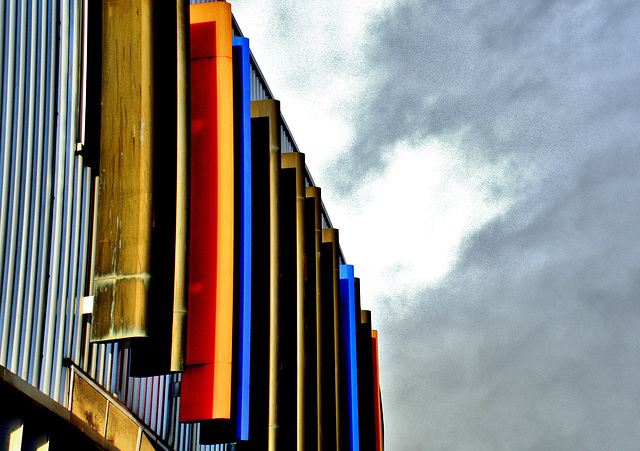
(376, 391)
(365, 383)
(179, 338)
(242, 121)
(206, 383)
(293, 163)
(313, 241)
(136, 213)
(266, 113)
(288, 308)
(349, 360)
(260, 281)
(333, 408)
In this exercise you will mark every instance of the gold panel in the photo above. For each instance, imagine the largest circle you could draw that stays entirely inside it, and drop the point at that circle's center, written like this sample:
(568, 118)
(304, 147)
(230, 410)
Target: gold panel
(125, 207)
(331, 237)
(314, 222)
(183, 132)
(142, 207)
(270, 109)
(295, 161)
(121, 430)
(89, 405)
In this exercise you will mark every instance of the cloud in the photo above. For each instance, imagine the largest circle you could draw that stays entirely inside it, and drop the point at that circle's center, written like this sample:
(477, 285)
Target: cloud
(531, 78)
(532, 341)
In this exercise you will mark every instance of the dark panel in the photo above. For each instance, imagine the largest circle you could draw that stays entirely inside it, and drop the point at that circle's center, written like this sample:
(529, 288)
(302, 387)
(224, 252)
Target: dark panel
(365, 383)
(330, 339)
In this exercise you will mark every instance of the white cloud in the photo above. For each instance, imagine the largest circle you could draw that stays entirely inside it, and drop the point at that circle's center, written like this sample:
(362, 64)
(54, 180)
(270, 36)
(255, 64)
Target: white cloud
(403, 228)
(312, 55)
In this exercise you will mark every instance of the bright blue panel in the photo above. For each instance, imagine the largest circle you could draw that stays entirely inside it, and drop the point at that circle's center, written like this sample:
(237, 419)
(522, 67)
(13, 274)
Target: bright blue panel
(348, 338)
(242, 116)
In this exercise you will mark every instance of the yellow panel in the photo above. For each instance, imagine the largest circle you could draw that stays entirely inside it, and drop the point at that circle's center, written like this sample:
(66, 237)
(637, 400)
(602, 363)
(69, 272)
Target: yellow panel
(121, 430)
(125, 182)
(89, 405)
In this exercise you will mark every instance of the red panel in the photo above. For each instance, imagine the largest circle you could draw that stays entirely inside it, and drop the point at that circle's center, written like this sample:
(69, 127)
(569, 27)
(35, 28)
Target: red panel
(206, 383)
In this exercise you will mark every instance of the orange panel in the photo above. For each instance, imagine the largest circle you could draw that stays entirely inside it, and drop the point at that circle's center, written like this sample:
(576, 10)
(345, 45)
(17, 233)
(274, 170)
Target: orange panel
(376, 390)
(210, 319)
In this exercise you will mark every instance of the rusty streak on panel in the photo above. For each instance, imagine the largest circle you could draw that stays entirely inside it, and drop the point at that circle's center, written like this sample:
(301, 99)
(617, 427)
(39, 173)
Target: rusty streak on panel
(137, 207)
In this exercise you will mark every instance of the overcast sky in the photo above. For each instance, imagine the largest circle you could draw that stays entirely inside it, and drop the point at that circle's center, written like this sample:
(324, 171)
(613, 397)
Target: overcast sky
(482, 162)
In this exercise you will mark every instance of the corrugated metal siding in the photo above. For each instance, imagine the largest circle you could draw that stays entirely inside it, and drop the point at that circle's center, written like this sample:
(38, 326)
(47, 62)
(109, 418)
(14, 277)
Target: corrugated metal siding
(43, 227)
(46, 220)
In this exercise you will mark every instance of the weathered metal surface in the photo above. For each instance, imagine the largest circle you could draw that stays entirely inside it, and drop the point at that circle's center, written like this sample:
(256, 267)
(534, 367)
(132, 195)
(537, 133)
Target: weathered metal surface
(125, 186)
(136, 224)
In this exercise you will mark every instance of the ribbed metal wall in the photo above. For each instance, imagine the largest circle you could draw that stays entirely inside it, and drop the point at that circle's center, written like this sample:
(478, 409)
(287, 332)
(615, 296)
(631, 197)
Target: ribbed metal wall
(46, 189)
(46, 220)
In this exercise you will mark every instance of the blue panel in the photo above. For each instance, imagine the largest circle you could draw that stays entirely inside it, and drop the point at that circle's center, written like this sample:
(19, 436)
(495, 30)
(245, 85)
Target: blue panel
(348, 339)
(242, 117)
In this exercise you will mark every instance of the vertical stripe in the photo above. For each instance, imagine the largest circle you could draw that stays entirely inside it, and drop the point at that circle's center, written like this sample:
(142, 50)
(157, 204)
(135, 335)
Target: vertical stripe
(242, 132)
(349, 352)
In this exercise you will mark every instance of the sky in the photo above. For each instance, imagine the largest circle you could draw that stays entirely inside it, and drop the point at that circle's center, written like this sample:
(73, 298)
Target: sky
(481, 160)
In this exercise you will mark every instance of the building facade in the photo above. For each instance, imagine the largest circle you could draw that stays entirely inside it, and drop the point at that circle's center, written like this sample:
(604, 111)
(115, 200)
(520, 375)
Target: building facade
(170, 278)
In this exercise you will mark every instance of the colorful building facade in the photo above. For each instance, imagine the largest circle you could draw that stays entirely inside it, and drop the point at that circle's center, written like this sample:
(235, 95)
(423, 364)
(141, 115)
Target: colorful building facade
(170, 276)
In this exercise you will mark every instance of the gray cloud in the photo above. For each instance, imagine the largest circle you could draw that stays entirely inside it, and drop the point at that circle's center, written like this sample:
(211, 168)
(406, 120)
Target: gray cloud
(536, 79)
(532, 340)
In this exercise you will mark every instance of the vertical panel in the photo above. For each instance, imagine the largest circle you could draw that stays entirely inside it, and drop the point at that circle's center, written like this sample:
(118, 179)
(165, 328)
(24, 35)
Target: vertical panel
(244, 226)
(210, 322)
(349, 354)
(125, 184)
(365, 383)
(137, 222)
(270, 110)
(313, 226)
(125, 213)
(294, 163)
(260, 288)
(183, 116)
(332, 404)
(288, 309)
(376, 391)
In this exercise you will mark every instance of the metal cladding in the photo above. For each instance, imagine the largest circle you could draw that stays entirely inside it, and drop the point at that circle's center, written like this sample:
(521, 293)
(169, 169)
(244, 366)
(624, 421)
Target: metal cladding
(244, 226)
(366, 396)
(349, 355)
(266, 135)
(331, 347)
(206, 383)
(142, 205)
(195, 289)
(313, 226)
(126, 198)
(293, 171)
(376, 391)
